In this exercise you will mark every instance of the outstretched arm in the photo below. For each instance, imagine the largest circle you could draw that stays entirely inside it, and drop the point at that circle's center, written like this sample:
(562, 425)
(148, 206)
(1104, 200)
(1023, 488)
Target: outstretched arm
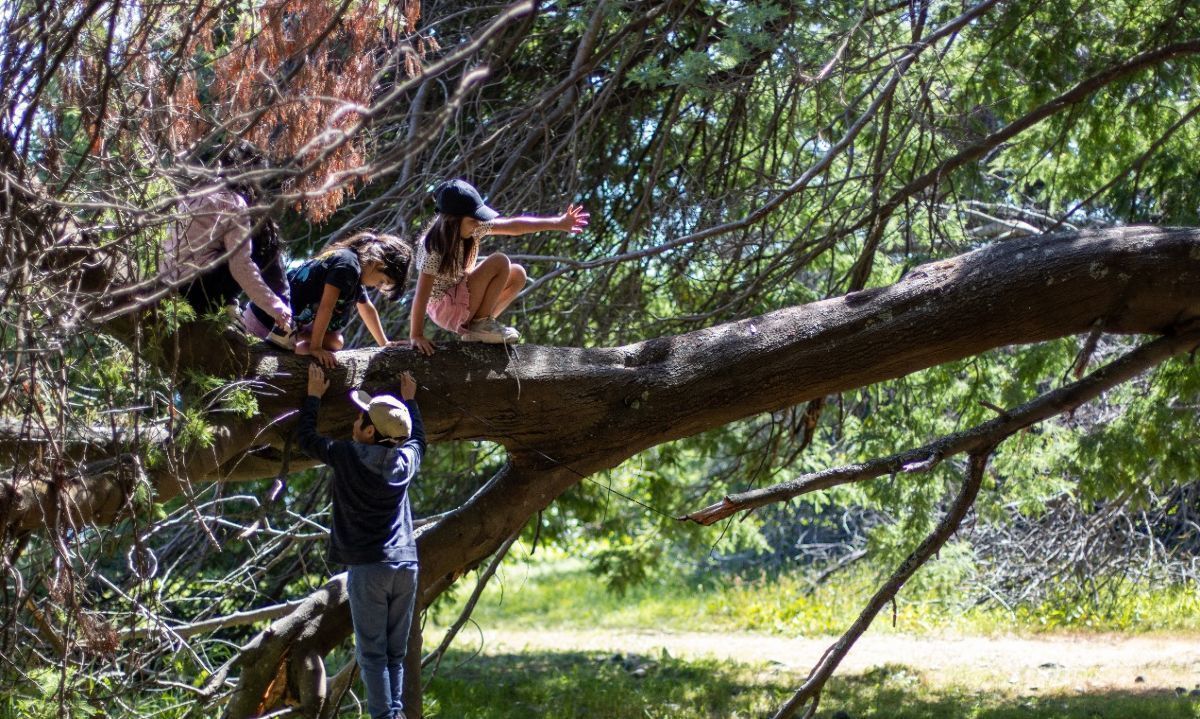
(414, 447)
(573, 221)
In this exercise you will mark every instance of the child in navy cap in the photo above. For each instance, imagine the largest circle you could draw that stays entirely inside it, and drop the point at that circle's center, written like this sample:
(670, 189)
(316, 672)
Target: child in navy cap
(457, 292)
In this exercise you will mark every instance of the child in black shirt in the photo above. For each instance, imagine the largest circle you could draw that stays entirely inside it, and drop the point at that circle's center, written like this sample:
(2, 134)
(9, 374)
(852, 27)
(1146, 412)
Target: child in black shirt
(325, 287)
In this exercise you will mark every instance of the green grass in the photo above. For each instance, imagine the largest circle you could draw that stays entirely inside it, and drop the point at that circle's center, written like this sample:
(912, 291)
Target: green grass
(562, 685)
(562, 594)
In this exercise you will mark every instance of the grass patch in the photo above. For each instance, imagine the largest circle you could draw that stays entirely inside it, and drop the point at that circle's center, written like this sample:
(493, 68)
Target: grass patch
(590, 684)
(561, 593)
(563, 685)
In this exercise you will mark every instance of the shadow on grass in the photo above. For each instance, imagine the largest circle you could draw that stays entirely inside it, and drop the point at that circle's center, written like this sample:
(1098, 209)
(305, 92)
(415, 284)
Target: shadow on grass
(570, 685)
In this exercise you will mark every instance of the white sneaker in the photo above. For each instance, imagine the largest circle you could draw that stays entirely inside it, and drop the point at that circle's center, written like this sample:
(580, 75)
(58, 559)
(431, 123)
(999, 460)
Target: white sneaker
(489, 331)
(281, 339)
(510, 333)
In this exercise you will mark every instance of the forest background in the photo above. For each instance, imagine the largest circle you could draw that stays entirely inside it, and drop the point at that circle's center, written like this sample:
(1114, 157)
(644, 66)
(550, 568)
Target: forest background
(891, 238)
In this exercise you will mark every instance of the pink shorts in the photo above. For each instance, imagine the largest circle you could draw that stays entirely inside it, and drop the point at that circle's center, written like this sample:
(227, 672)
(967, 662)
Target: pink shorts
(452, 310)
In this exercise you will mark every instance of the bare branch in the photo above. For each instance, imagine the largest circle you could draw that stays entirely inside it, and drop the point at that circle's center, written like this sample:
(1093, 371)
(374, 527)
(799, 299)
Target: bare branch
(810, 692)
(922, 459)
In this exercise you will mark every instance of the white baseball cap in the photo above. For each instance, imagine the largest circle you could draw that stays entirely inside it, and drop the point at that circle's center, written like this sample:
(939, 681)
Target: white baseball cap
(388, 414)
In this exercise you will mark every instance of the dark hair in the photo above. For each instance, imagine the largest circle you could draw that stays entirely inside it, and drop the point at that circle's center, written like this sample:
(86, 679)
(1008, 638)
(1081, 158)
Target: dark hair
(265, 244)
(390, 251)
(245, 169)
(444, 236)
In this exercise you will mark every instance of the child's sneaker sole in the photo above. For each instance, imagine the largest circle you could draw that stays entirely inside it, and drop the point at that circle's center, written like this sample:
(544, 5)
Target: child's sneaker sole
(492, 332)
(280, 340)
(487, 338)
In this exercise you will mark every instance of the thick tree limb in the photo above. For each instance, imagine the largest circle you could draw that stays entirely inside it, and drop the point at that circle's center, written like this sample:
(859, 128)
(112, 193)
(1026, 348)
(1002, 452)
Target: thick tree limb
(101, 492)
(565, 413)
(592, 408)
(924, 458)
(285, 663)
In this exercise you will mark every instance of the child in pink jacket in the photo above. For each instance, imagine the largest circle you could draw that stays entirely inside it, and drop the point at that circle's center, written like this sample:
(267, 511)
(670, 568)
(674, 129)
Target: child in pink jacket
(213, 248)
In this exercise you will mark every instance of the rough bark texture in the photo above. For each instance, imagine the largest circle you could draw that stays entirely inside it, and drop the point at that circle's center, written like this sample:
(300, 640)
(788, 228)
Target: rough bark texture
(564, 413)
(593, 408)
(286, 664)
(590, 405)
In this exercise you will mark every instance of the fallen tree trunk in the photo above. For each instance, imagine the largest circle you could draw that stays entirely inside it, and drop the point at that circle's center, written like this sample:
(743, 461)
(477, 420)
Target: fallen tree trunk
(582, 411)
(566, 413)
(592, 408)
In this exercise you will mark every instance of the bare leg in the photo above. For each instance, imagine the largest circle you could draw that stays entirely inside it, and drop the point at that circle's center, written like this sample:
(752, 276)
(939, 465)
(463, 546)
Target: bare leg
(485, 284)
(333, 342)
(516, 283)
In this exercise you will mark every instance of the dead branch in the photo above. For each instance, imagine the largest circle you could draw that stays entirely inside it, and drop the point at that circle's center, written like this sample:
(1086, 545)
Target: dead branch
(810, 692)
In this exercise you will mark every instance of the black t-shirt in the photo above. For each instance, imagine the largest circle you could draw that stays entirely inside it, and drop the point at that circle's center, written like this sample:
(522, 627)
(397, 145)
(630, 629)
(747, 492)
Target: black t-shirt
(340, 269)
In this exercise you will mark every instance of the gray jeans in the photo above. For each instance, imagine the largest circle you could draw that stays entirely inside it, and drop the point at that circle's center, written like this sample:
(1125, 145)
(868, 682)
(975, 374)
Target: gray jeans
(382, 596)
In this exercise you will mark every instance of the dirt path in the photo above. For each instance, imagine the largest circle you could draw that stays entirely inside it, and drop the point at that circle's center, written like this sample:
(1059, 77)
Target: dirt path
(1077, 663)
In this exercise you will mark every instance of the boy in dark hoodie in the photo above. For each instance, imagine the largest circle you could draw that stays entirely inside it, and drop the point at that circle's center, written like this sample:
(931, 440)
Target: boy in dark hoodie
(372, 526)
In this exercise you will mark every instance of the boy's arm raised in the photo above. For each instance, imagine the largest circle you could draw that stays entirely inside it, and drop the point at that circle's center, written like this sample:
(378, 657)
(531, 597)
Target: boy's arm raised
(413, 448)
(313, 444)
(408, 393)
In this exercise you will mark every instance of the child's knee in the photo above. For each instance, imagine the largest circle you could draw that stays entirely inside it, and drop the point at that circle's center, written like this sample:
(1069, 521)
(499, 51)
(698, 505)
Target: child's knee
(516, 275)
(333, 341)
(499, 263)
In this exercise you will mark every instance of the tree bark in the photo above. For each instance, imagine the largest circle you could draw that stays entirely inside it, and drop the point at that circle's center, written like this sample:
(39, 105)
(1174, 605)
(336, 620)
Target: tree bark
(593, 408)
(574, 412)
(565, 413)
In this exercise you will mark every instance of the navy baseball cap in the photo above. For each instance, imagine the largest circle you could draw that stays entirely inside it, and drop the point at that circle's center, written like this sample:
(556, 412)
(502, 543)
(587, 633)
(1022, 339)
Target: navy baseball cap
(459, 197)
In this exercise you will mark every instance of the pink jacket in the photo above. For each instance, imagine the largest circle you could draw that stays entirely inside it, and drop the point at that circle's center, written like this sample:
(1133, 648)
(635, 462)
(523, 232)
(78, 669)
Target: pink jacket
(213, 226)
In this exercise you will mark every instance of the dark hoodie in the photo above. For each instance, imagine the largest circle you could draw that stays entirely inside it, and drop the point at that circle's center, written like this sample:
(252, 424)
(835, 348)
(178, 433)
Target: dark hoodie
(372, 520)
